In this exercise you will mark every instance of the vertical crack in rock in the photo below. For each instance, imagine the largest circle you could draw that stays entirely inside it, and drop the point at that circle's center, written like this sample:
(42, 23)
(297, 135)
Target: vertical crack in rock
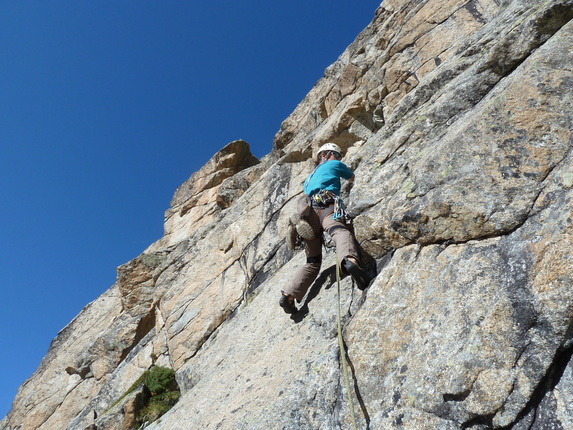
(527, 417)
(359, 397)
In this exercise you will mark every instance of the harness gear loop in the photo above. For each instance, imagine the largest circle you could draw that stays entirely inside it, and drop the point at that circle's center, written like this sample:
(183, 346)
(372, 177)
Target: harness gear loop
(323, 198)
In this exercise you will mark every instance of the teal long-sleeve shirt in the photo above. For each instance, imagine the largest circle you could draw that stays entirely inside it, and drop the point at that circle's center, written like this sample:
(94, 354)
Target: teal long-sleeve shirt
(327, 176)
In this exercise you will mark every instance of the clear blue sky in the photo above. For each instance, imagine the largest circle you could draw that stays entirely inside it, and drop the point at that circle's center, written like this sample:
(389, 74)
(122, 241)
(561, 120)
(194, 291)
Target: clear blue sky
(106, 107)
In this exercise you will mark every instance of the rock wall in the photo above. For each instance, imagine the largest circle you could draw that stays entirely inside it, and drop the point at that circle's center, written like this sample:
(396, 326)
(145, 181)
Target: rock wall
(457, 118)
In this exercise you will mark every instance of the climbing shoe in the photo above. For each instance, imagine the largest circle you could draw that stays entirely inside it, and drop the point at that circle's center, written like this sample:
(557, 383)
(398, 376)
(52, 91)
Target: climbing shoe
(360, 276)
(287, 303)
(292, 237)
(304, 230)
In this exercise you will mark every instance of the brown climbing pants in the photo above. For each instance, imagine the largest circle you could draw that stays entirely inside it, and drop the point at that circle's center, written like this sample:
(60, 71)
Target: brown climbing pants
(321, 220)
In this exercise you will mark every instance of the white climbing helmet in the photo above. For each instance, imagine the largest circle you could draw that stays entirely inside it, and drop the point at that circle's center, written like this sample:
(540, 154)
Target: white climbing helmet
(330, 147)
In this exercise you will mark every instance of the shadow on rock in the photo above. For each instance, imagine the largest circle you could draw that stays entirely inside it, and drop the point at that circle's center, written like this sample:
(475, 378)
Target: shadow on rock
(327, 277)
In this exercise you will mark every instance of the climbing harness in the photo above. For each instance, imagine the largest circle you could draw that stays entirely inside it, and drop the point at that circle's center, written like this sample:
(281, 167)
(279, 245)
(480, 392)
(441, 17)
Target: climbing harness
(325, 198)
(324, 203)
(342, 350)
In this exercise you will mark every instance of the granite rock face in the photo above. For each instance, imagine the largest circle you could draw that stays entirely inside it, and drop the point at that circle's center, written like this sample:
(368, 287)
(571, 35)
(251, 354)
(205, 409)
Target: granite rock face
(457, 118)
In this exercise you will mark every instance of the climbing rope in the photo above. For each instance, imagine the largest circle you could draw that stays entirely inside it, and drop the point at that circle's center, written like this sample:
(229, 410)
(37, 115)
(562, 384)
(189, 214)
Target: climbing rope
(343, 351)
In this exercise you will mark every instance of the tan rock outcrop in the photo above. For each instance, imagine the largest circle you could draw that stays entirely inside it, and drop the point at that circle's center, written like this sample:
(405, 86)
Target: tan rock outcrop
(214, 187)
(457, 118)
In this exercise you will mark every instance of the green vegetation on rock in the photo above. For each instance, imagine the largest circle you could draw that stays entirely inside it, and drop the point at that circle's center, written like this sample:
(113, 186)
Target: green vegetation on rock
(164, 394)
(160, 393)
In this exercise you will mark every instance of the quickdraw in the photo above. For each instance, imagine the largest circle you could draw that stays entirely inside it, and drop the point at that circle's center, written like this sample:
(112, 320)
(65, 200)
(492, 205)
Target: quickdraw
(340, 212)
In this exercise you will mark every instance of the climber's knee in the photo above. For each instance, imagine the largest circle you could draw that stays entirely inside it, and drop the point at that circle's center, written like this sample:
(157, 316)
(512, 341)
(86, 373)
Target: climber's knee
(314, 260)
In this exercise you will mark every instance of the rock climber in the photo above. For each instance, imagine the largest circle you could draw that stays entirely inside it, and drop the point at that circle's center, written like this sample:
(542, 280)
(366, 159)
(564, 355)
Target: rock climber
(324, 212)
